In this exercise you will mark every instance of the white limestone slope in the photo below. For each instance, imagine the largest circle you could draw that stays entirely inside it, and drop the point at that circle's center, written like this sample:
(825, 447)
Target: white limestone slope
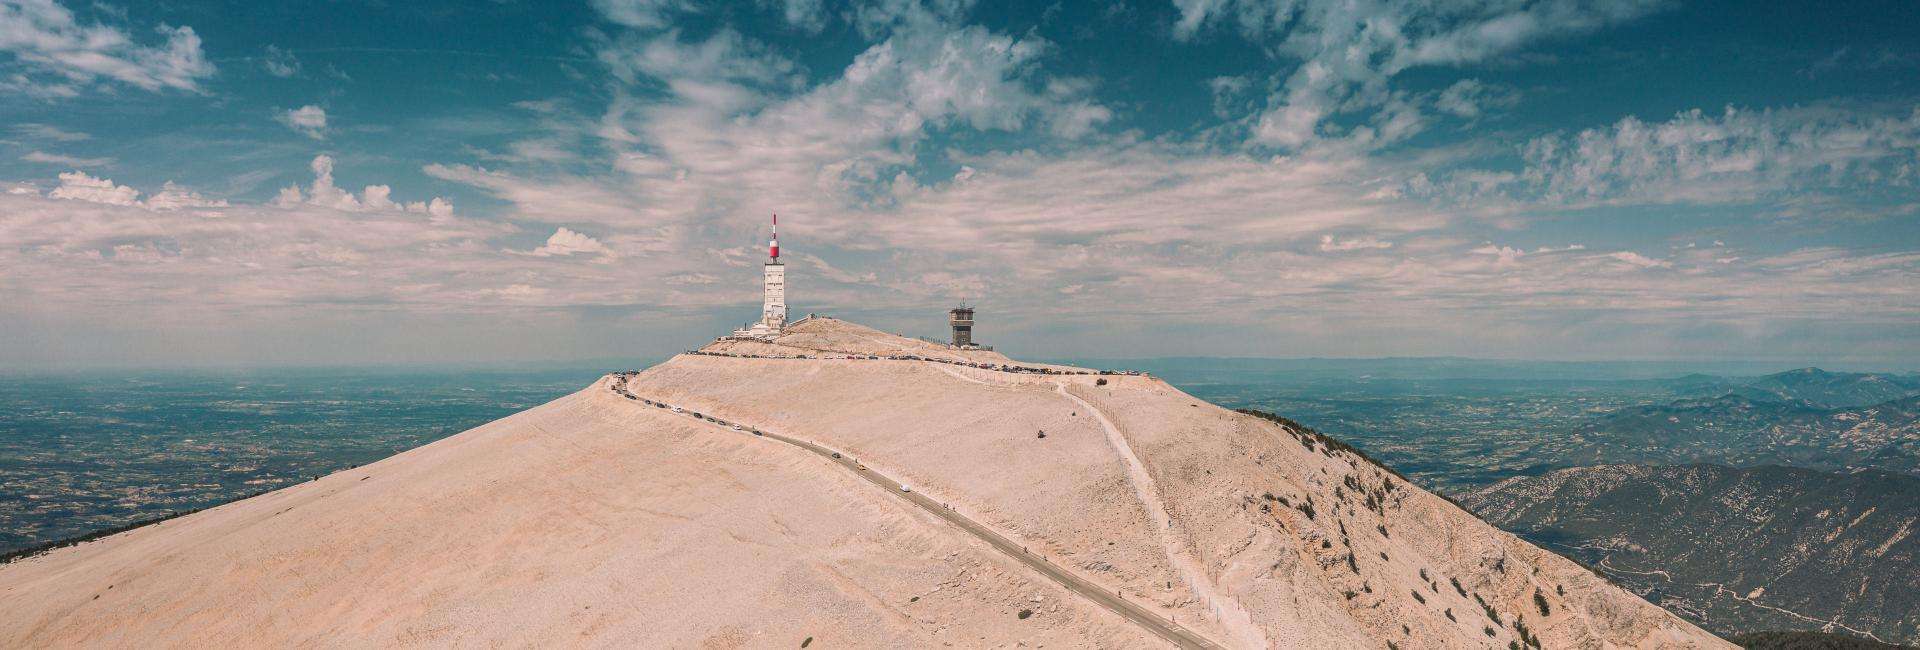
(597, 520)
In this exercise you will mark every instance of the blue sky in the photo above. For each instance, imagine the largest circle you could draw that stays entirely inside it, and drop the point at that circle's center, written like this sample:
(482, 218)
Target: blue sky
(348, 182)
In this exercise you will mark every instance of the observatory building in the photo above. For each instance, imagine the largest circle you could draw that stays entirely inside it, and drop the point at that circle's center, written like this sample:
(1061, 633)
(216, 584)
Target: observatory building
(961, 318)
(773, 308)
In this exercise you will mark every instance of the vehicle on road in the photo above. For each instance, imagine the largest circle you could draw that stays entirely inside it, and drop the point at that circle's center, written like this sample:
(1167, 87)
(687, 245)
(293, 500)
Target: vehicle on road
(904, 488)
(737, 428)
(836, 454)
(677, 409)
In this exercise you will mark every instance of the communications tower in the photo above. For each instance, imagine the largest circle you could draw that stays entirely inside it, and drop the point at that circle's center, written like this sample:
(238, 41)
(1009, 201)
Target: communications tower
(773, 308)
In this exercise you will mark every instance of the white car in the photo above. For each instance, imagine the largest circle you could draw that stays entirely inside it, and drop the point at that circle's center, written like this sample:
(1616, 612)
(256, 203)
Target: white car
(676, 409)
(736, 427)
(904, 488)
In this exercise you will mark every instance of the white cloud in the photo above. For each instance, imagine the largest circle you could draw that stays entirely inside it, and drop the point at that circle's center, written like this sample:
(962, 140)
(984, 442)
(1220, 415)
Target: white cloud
(734, 125)
(378, 197)
(174, 197)
(549, 200)
(1349, 50)
(1736, 156)
(825, 269)
(373, 198)
(645, 14)
(1468, 98)
(726, 56)
(807, 15)
(1329, 244)
(310, 120)
(565, 242)
(81, 187)
(48, 132)
(279, 62)
(64, 160)
(1506, 255)
(62, 52)
(323, 192)
(1639, 260)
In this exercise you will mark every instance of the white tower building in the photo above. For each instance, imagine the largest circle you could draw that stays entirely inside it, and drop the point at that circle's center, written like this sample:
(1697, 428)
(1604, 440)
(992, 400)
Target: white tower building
(773, 309)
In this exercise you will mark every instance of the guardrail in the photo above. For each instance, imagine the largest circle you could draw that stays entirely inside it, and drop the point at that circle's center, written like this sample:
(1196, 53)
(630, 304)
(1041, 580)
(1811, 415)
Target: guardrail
(997, 367)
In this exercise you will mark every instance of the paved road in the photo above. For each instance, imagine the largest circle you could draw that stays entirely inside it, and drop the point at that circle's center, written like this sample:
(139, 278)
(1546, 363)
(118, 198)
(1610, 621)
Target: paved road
(1141, 616)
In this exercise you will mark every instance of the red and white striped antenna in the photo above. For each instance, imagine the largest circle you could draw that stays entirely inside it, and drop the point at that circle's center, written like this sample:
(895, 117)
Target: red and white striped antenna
(773, 245)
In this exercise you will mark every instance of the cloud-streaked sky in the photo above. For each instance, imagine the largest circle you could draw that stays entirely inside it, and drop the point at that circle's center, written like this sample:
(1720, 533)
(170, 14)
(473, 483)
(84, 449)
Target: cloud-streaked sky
(344, 182)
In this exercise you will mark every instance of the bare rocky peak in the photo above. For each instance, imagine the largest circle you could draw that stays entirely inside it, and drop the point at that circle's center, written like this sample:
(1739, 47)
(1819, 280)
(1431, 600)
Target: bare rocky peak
(852, 487)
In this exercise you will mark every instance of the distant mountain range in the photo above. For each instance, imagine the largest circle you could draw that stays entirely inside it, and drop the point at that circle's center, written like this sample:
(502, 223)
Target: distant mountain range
(1807, 417)
(1762, 548)
(1818, 388)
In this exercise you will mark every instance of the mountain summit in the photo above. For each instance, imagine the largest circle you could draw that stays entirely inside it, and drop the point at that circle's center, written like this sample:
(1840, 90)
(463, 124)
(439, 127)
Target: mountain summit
(841, 486)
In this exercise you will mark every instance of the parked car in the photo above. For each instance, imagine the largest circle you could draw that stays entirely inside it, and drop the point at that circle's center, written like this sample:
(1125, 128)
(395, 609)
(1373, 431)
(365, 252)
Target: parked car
(904, 488)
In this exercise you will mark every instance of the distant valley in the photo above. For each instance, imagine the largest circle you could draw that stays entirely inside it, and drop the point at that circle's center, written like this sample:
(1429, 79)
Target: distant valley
(1735, 549)
(1740, 428)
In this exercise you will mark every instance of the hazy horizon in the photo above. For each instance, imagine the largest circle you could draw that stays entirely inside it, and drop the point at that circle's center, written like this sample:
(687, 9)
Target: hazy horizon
(1439, 368)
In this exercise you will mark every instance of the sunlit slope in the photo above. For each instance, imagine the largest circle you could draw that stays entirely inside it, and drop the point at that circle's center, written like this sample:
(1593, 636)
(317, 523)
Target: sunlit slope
(1235, 554)
(583, 521)
(603, 520)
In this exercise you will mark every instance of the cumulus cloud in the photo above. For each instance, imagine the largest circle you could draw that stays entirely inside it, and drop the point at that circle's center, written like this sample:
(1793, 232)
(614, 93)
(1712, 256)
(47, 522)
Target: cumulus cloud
(64, 160)
(60, 52)
(1505, 255)
(1639, 260)
(566, 242)
(310, 120)
(81, 187)
(173, 197)
(373, 198)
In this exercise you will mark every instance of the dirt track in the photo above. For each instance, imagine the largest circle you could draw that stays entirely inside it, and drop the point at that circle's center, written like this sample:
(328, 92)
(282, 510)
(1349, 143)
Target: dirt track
(1161, 627)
